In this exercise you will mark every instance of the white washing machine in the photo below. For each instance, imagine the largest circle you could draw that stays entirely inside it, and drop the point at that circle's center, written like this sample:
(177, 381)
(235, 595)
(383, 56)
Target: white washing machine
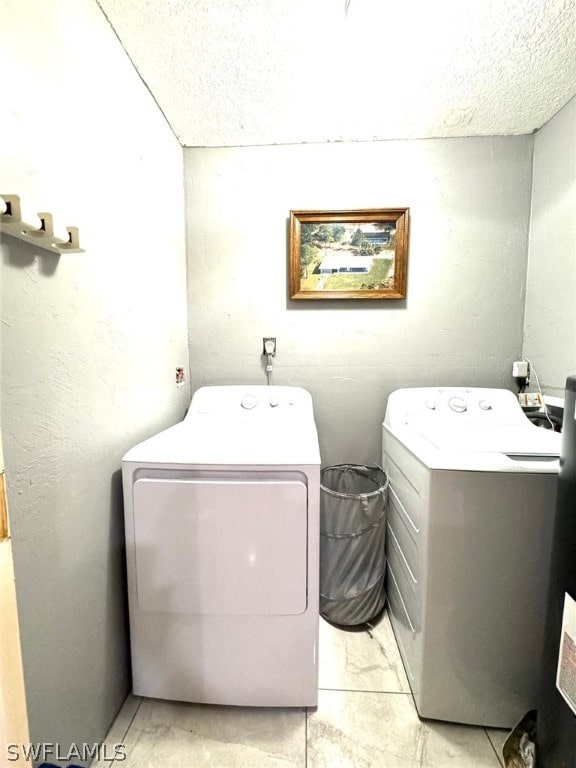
(470, 515)
(222, 542)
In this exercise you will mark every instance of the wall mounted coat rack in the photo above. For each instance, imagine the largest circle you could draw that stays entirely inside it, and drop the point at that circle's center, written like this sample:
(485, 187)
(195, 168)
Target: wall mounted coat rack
(39, 229)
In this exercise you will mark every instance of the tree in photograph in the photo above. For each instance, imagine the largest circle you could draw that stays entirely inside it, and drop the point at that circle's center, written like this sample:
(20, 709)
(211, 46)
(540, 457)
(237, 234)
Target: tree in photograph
(324, 234)
(308, 232)
(366, 248)
(338, 232)
(307, 256)
(357, 238)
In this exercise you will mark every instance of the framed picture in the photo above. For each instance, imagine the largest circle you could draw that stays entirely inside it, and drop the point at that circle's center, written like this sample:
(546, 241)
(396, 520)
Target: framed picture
(349, 254)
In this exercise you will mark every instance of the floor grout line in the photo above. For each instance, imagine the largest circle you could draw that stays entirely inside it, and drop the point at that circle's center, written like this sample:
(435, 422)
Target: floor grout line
(306, 739)
(498, 757)
(133, 718)
(366, 690)
(129, 724)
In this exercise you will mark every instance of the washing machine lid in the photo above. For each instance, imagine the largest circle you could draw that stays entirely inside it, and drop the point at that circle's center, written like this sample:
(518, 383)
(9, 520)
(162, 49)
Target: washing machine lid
(516, 440)
(238, 425)
(470, 428)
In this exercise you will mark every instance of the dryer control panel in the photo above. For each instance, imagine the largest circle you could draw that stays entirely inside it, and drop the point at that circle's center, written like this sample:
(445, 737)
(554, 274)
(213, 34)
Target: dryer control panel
(250, 401)
(259, 401)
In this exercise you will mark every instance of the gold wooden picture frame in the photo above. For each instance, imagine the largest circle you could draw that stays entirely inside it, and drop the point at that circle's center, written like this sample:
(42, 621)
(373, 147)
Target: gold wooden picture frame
(359, 254)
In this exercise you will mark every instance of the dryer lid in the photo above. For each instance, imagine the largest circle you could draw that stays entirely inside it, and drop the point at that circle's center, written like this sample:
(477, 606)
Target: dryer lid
(205, 440)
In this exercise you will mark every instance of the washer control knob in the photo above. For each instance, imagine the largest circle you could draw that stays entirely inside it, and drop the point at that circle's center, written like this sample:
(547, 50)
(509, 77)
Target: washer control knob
(249, 402)
(485, 405)
(458, 404)
(274, 403)
(430, 404)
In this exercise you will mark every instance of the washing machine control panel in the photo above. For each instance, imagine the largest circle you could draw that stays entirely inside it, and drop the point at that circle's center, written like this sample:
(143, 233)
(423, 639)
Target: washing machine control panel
(452, 405)
(470, 401)
(458, 403)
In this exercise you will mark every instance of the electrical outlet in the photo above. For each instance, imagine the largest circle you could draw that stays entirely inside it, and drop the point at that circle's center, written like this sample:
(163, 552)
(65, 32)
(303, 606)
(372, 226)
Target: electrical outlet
(269, 345)
(530, 400)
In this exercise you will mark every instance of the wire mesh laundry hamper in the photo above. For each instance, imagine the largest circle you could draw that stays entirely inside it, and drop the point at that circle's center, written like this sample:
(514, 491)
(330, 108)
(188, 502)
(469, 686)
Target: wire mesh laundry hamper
(352, 535)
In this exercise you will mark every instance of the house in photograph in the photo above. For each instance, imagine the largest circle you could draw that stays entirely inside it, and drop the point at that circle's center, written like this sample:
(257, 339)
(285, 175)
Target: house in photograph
(381, 237)
(346, 263)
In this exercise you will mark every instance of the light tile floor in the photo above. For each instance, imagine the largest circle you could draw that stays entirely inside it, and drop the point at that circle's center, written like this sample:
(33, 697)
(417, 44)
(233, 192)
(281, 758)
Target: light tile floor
(365, 719)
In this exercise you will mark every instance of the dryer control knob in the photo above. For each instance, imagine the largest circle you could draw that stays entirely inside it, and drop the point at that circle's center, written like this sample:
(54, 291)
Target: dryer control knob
(485, 405)
(458, 404)
(274, 403)
(430, 404)
(249, 402)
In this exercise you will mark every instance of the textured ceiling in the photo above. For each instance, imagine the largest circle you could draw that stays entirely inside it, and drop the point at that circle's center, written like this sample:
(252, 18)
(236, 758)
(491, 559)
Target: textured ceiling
(238, 72)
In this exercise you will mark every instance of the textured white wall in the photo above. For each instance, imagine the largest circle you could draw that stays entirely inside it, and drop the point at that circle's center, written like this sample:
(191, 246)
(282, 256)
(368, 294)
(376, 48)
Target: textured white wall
(90, 343)
(550, 321)
(461, 323)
